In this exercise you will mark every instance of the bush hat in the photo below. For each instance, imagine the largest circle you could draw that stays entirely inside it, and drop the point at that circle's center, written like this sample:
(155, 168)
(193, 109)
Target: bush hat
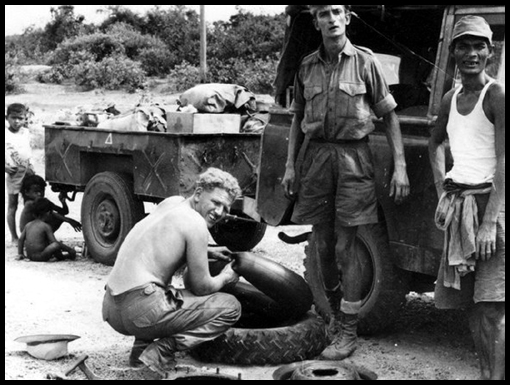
(47, 346)
(472, 26)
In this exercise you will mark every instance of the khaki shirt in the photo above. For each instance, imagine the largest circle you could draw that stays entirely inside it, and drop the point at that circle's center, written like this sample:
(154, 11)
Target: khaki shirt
(337, 99)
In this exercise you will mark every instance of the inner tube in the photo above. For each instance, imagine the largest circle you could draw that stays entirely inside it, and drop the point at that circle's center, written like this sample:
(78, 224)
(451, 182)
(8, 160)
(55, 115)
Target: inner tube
(284, 286)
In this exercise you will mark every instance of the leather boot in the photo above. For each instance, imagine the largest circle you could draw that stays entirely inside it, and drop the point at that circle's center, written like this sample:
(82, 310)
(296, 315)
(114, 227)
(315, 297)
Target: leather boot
(160, 356)
(334, 298)
(347, 341)
(138, 347)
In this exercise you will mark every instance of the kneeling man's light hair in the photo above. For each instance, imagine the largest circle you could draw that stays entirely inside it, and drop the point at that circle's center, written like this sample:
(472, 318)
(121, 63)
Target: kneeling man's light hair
(216, 178)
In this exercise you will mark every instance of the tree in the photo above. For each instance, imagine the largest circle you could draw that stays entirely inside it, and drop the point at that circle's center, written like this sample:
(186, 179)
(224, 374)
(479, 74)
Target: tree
(64, 25)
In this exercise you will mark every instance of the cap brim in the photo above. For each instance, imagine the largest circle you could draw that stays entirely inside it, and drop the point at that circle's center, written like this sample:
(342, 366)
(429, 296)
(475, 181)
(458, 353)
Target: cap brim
(47, 346)
(472, 34)
(46, 338)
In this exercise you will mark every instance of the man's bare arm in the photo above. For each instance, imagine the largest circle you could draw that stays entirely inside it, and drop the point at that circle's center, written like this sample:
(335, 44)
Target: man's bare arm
(198, 278)
(296, 138)
(437, 152)
(486, 237)
(400, 187)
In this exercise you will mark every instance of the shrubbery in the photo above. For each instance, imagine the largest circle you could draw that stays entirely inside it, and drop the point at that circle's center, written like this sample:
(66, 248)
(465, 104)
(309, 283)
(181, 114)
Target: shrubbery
(12, 74)
(127, 48)
(111, 73)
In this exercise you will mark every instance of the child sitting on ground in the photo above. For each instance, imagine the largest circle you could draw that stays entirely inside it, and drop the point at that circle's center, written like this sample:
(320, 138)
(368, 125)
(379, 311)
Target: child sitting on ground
(33, 187)
(38, 239)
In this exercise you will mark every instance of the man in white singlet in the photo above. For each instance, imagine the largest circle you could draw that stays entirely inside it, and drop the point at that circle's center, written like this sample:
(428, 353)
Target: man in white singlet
(471, 210)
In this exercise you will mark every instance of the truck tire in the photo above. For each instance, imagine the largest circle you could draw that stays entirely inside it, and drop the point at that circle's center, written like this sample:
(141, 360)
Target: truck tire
(295, 341)
(384, 285)
(109, 211)
(238, 235)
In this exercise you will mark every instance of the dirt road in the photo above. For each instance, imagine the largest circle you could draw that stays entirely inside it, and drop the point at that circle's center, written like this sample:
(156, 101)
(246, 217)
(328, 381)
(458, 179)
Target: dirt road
(65, 298)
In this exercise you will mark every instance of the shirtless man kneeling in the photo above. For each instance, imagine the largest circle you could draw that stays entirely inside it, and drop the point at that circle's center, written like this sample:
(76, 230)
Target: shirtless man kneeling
(140, 300)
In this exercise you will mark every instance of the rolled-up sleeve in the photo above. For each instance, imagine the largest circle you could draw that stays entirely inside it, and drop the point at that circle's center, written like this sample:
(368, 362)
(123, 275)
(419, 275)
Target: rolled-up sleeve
(383, 101)
(298, 104)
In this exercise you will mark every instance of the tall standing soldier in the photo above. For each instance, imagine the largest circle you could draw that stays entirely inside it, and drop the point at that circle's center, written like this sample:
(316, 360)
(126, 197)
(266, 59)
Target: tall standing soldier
(472, 194)
(336, 89)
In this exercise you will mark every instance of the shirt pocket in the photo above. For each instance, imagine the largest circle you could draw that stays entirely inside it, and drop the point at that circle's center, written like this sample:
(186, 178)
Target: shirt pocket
(314, 103)
(351, 99)
(353, 89)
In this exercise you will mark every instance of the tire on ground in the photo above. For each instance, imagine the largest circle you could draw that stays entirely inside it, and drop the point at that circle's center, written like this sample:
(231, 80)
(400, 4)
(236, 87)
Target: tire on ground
(384, 285)
(299, 340)
(109, 211)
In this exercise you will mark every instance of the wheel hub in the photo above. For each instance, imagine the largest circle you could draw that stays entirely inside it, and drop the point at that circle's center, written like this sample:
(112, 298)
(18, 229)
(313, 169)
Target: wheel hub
(107, 219)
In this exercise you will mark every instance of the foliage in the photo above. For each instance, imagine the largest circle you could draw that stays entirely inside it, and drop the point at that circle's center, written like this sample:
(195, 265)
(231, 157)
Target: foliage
(64, 25)
(163, 42)
(184, 76)
(11, 74)
(256, 75)
(248, 36)
(178, 28)
(111, 73)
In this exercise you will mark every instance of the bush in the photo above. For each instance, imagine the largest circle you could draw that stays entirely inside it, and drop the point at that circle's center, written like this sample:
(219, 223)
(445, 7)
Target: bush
(94, 47)
(185, 76)
(111, 73)
(12, 75)
(156, 61)
(256, 75)
(55, 75)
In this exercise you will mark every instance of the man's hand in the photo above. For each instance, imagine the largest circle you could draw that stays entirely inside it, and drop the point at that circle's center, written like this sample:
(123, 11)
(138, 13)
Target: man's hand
(400, 187)
(231, 277)
(486, 241)
(288, 182)
(223, 255)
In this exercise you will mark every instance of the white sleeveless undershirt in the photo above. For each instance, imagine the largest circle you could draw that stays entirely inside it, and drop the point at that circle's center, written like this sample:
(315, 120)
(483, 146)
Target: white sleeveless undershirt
(472, 142)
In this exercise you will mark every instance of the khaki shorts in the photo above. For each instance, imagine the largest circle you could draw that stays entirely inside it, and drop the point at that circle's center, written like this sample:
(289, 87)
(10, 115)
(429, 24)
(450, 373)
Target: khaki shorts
(337, 182)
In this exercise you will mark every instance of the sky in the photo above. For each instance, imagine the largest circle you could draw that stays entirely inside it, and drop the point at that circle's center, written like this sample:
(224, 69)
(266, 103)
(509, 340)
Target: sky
(19, 17)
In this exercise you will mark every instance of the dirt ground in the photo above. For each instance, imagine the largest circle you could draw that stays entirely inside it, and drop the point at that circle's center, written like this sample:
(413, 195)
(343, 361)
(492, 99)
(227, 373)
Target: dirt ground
(65, 298)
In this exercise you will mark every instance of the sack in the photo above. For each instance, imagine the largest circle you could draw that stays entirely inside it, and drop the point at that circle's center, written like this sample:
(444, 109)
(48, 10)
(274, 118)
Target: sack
(146, 118)
(219, 98)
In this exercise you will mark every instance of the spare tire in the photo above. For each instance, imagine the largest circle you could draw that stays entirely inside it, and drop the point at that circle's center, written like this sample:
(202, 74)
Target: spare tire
(384, 285)
(297, 340)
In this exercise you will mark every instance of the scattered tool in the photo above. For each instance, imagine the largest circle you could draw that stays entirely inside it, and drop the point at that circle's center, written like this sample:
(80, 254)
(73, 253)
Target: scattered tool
(79, 363)
(86, 370)
(72, 368)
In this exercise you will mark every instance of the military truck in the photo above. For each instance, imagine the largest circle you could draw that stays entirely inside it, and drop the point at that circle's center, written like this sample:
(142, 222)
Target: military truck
(117, 171)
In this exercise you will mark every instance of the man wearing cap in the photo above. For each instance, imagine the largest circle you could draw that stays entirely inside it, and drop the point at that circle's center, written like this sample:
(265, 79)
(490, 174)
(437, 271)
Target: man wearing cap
(471, 210)
(336, 90)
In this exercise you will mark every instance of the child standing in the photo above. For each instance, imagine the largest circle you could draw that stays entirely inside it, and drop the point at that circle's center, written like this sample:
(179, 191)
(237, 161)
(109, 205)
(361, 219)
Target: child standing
(17, 160)
(38, 238)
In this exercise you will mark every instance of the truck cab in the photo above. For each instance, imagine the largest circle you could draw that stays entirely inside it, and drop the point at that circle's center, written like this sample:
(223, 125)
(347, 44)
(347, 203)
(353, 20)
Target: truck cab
(412, 43)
